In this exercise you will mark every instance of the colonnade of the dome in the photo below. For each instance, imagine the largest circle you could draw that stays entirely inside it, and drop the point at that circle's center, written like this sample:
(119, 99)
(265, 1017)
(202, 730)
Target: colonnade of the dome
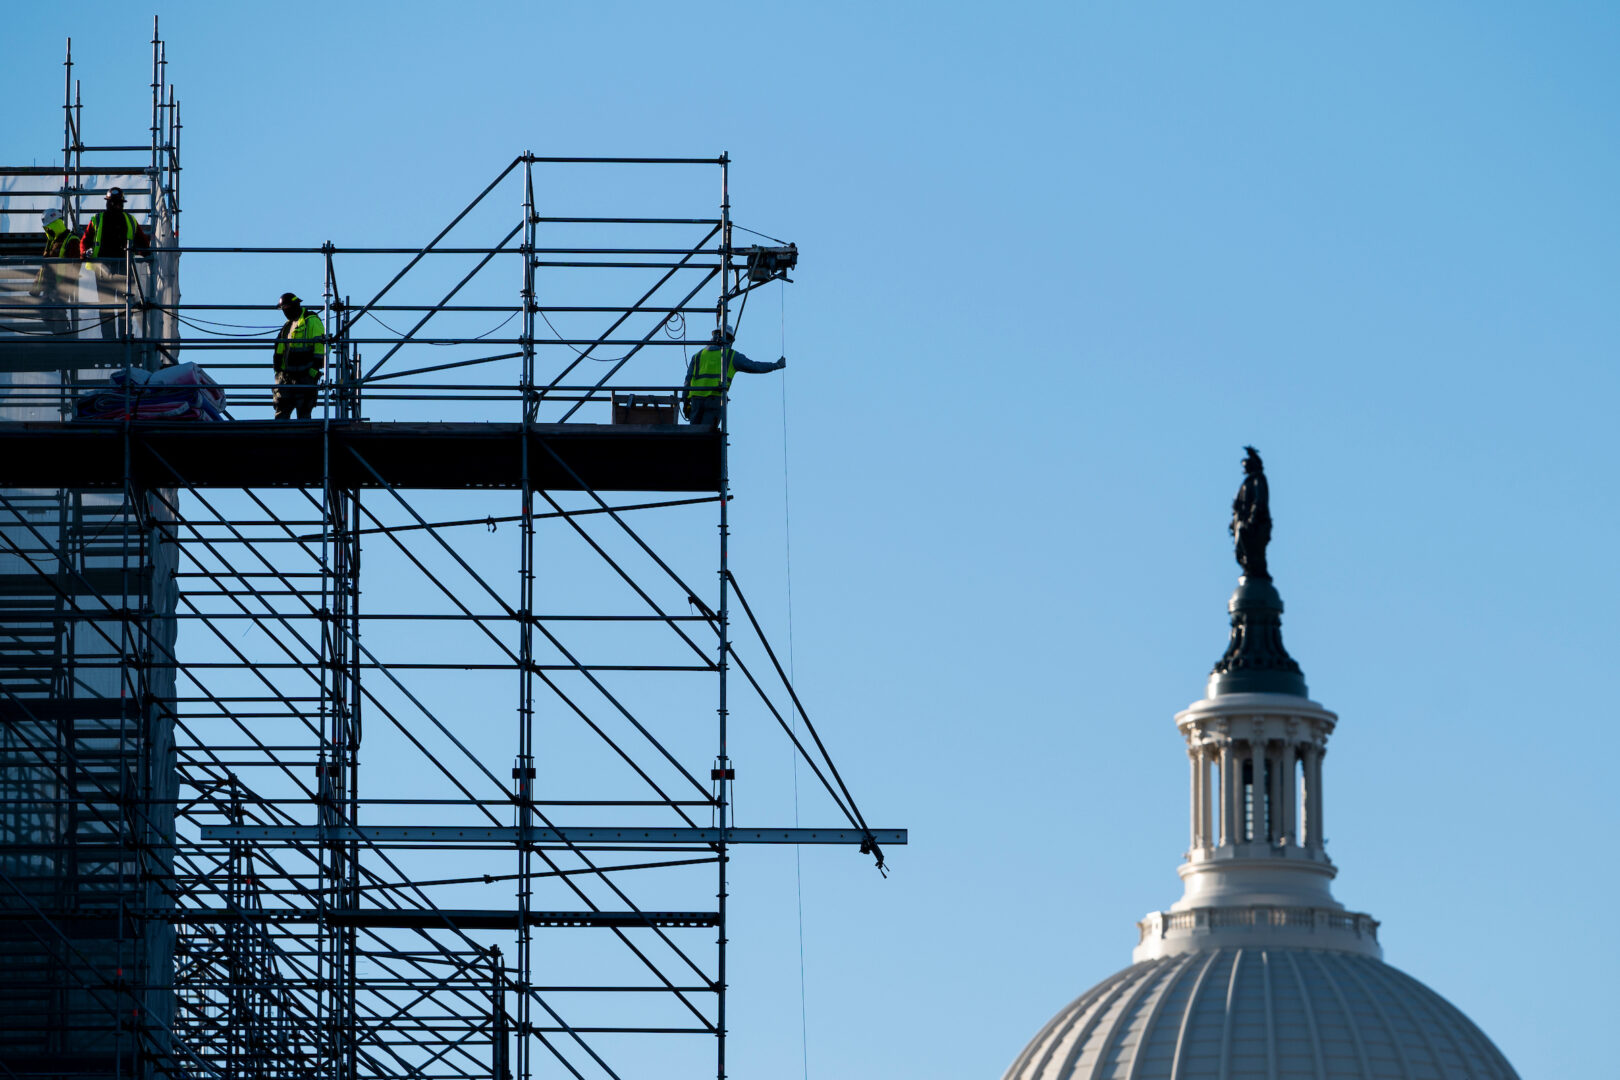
(1256, 778)
(1229, 807)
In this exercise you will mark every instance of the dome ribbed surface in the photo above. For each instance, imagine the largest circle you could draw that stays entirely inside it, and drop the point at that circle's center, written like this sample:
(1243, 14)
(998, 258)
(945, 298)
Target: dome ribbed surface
(1261, 1014)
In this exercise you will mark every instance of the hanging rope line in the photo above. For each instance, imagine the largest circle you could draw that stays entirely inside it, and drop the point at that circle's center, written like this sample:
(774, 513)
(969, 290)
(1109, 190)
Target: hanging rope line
(787, 544)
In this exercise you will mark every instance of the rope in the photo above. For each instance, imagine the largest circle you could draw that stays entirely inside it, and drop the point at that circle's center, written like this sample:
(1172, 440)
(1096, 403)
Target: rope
(798, 859)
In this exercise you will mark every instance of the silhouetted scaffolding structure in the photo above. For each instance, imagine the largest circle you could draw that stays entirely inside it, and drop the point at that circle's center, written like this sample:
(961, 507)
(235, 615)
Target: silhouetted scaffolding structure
(292, 782)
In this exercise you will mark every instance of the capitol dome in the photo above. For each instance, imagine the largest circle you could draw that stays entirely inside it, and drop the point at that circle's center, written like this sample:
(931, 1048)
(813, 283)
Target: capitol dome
(1257, 972)
(1287, 1014)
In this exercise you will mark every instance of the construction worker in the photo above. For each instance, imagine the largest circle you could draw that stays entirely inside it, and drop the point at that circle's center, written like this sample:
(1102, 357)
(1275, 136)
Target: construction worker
(709, 375)
(109, 236)
(55, 285)
(300, 355)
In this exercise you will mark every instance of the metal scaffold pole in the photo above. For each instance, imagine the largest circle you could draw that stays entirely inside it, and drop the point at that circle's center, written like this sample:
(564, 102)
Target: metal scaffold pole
(523, 773)
(722, 771)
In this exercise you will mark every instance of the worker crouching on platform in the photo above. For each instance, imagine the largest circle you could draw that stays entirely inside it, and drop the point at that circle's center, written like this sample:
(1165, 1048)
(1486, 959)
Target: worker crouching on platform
(300, 356)
(710, 374)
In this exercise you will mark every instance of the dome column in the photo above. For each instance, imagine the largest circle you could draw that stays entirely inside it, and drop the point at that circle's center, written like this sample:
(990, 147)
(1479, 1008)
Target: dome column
(1290, 795)
(1257, 791)
(1313, 797)
(1274, 795)
(1200, 797)
(1206, 804)
(1231, 777)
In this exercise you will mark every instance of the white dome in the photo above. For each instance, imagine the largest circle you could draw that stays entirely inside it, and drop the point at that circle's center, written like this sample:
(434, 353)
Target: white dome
(1261, 1014)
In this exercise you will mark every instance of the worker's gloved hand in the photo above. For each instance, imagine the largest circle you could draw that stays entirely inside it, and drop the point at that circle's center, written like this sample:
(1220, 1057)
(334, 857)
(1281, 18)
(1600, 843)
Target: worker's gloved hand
(315, 374)
(781, 362)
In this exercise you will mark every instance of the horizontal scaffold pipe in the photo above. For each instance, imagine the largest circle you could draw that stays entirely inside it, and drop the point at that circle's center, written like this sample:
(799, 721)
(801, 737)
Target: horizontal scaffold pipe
(538, 160)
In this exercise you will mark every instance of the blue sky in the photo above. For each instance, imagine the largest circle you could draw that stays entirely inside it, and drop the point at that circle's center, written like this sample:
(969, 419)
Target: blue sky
(1060, 263)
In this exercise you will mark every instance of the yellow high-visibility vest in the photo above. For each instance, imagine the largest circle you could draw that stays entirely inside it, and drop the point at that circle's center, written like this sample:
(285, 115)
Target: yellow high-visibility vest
(303, 344)
(707, 370)
(129, 235)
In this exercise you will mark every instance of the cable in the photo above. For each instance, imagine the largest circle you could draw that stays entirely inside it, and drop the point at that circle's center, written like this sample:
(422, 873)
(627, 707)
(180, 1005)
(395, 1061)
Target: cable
(444, 344)
(39, 333)
(756, 232)
(382, 324)
(494, 328)
(675, 330)
(558, 334)
(218, 333)
(787, 543)
(233, 326)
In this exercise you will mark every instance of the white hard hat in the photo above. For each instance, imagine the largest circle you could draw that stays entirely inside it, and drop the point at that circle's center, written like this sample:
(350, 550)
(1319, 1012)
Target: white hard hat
(50, 216)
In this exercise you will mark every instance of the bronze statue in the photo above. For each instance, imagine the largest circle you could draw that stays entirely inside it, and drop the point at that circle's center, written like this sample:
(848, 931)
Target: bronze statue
(1255, 660)
(1251, 518)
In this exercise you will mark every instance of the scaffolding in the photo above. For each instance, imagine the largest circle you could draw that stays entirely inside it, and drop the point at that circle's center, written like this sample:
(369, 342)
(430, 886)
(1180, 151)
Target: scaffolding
(263, 814)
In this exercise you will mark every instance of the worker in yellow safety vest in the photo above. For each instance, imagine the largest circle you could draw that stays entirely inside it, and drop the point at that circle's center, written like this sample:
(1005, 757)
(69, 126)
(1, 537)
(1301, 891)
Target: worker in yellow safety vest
(709, 375)
(107, 239)
(56, 284)
(300, 356)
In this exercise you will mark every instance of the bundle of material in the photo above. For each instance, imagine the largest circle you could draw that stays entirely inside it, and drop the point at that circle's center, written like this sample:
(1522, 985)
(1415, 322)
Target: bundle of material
(179, 392)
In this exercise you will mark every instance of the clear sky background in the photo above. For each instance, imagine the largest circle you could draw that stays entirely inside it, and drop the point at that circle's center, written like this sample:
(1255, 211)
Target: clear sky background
(1060, 262)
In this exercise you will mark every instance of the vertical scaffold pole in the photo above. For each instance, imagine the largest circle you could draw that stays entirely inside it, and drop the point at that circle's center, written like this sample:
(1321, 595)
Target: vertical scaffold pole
(326, 782)
(78, 149)
(67, 138)
(133, 697)
(524, 771)
(499, 1069)
(340, 636)
(157, 105)
(723, 765)
(175, 156)
(153, 191)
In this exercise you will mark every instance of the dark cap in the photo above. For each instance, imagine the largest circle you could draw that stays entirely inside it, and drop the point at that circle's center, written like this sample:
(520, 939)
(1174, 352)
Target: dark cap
(115, 193)
(286, 296)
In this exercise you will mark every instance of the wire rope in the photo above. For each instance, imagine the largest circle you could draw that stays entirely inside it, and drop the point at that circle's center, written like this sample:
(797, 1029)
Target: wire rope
(756, 232)
(787, 544)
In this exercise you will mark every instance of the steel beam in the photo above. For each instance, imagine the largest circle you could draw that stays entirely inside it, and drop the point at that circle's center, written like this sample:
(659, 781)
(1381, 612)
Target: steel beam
(476, 834)
(439, 918)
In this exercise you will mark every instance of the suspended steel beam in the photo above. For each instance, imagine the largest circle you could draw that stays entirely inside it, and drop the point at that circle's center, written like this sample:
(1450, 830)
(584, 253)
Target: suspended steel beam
(437, 918)
(435, 834)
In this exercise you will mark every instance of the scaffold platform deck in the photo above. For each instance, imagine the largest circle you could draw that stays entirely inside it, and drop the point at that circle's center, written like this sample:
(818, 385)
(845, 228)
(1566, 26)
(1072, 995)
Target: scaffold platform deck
(358, 454)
